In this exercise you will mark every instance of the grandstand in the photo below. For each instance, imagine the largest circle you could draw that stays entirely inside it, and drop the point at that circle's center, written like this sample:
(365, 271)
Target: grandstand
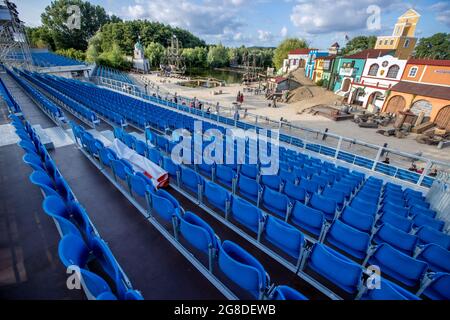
(49, 59)
(215, 231)
(113, 74)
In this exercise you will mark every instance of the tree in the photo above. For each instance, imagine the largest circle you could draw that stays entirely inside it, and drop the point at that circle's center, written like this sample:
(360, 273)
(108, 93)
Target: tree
(218, 56)
(114, 58)
(73, 54)
(196, 57)
(154, 52)
(282, 51)
(94, 48)
(40, 37)
(359, 43)
(435, 47)
(56, 16)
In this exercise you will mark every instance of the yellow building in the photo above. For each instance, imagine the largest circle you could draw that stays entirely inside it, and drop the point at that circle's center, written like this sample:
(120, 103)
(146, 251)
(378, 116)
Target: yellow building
(402, 39)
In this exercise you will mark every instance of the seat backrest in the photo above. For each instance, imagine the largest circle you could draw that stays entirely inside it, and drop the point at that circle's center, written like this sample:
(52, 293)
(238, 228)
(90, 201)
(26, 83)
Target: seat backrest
(271, 181)
(197, 232)
(336, 268)
(287, 293)
(422, 220)
(247, 185)
(246, 213)
(357, 219)
(402, 267)
(349, 239)
(190, 178)
(294, 192)
(308, 218)
(397, 221)
(438, 258)
(364, 206)
(399, 210)
(138, 185)
(421, 210)
(96, 286)
(225, 173)
(428, 235)
(324, 204)
(162, 206)
(439, 289)
(284, 236)
(249, 170)
(216, 195)
(73, 251)
(389, 291)
(397, 238)
(242, 268)
(274, 199)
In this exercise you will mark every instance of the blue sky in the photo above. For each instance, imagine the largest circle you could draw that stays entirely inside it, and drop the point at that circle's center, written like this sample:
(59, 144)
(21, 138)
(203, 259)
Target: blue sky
(267, 22)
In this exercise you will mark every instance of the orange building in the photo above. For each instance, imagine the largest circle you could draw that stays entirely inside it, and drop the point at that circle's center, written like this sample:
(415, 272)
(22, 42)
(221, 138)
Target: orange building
(423, 88)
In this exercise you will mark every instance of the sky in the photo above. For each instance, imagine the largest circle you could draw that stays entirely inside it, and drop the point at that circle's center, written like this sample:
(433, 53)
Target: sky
(268, 22)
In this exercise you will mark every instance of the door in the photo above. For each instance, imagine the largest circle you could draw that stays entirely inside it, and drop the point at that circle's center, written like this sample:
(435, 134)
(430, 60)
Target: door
(396, 104)
(443, 118)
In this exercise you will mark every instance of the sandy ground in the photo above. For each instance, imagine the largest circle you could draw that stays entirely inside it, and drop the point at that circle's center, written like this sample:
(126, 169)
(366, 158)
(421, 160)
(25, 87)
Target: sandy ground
(258, 105)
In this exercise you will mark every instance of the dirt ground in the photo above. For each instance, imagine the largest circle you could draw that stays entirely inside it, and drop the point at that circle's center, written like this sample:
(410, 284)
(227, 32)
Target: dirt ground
(292, 112)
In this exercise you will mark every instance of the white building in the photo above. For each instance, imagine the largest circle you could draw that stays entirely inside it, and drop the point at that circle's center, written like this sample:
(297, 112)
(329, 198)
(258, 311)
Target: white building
(139, 62)
(296, 59)
(379, 76)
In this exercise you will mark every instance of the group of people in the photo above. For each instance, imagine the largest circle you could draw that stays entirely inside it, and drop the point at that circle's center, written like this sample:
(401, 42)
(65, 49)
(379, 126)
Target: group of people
(240, 98)
(414, 168)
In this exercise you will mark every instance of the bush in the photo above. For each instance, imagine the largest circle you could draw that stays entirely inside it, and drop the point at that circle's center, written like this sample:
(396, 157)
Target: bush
(320, 83)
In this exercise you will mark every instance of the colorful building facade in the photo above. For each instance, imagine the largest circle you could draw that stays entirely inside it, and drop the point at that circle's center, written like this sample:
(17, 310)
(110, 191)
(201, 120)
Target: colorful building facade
(323, 68)
(378, 77)
(351, 67)
(403, 38)
(424, 89)
(296, 59)
(311, 61)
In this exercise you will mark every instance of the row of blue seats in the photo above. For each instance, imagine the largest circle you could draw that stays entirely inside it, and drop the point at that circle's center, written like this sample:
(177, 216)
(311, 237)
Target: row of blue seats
(49, 59)
(73, 224)
(141, 115)
(237, 264)
(114, 74)
(49, 107)
(13, 107)
(75, 107)
(339, 234)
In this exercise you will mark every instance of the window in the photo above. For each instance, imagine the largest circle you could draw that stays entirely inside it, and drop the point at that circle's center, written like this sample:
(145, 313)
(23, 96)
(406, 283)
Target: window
(373, 70)
(392, 42)
(380, 42)
(393, 71)
(385, 42)
(406, 45)
(413, 72)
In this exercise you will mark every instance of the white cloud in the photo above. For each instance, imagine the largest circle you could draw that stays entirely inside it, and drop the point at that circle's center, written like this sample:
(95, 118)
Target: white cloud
(211, 18)
(442, 10)
(336, 15)
(284, 32)
(264, 36)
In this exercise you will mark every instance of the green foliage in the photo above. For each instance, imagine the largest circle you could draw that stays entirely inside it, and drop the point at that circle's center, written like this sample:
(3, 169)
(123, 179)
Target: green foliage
(154, 52)
(196, 57)
(126, 34)
(218, 56)
(40, 37)
(319, 83)
(114, 58)
(73, 54)
(55, 17)
(282, 51)
(94, 48)
(359, 43)
(435, 47)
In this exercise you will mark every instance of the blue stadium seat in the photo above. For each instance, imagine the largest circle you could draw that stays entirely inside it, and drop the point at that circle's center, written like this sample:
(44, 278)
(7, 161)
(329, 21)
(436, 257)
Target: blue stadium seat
(164, 205)
(439, 287)
(421, 210)
(217, 196)
(429, 235)
(286, 293)
(199, 234)
(310, 186)
(121, 170)
(243, 269)
(246, 214)
(295, 192)
(287, 176)
(50, 188)
(357, 220)
(170, 166)
(397, 221)
(191, 180)
(348, 239)
(271, 181)
(393, 208)
(388, 291)
(276, 202)
(139, 186)
(250, 171)
(308, 219)
(248, 188)
(397, 238)
(338, 269)
(225, 175)
(398, 266)
(284, 236)
(326, 205)
(437, 258)
(364, 206)
(423, 220)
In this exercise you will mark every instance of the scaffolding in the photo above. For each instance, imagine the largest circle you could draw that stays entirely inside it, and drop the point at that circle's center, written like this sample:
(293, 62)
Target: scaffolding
(174, 61)
(14, 49)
